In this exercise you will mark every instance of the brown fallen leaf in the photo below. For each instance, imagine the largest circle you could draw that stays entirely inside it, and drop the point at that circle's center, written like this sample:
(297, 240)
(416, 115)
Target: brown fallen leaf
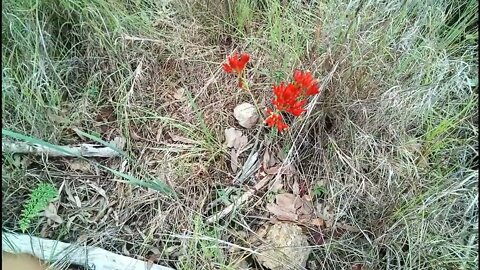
(268, 160)
(284, 207)
(69, 194)
(277, 185)
(292, 207)
(51, 213)
(235, 139)
(234, 160)
(98, 189)
(280, 213)
(318, 238)
(79, 165)
(318, 222)
(296, 187)
(179, 94)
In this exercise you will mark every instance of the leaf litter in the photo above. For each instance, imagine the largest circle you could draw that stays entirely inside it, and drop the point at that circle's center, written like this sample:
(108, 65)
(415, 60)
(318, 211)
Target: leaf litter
(238, 142)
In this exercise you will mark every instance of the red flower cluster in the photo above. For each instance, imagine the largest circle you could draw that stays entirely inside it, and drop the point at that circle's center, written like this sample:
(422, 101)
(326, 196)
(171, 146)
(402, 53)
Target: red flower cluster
(275, 119)
(236, 63)
(291, 98)
(306, 83)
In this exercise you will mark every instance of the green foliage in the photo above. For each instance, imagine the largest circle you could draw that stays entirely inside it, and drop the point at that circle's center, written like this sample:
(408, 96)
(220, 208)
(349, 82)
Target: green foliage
(38, 201)
(318, 191)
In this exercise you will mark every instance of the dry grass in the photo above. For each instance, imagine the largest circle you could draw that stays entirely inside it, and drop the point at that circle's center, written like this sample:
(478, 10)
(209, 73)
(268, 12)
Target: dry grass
(389, 145)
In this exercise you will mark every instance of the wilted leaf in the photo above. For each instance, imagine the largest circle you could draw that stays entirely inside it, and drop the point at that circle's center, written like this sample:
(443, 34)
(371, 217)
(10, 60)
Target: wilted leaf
(318, 222)
(280, 213)
(99, 190)
(284, 207)
(268, 159)
(119, 142)
(292, 207)
(296, 187)
(317, 238)
(233, 160)
(79, 165)
(51, 213)
(281, 169)
(180, 94)
(235, 139)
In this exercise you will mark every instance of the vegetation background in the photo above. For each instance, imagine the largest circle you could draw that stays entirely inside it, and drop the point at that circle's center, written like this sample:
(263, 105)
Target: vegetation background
(390, 145)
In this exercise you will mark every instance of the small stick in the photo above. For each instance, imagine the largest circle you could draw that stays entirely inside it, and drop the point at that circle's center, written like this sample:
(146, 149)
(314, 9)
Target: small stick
(84, 150)
(241, 200)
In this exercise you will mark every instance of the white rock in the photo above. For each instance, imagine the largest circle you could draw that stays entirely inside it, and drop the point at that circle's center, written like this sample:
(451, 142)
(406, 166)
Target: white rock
(246, 114)
(282, 249)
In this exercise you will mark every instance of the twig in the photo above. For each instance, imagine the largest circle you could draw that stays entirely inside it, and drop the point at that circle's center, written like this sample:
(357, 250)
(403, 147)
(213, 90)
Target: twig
(126, 37)
(56, 251)
(84, 150)
(136, 74)
(241, 200)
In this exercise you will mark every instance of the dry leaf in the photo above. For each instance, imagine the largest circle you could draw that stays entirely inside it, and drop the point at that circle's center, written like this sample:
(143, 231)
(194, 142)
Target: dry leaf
(268, 159)
(277, 185)
(233, 160)
(51, 213)
(69, 194)
(179, 94)
(292, 207)
(296, 187)
(99, 190)
(318, 222)
(280, 213)
(78, 202)
(119, 142)
(79, 165)
(235, 139)
(246, 114)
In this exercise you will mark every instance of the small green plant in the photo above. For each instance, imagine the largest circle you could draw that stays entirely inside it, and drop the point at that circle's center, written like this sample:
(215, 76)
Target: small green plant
(38, 201)
(319, 191)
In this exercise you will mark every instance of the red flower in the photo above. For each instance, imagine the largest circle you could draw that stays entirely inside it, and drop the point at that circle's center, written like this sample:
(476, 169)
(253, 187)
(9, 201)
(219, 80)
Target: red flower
(236, 63)
(306, 82)
(287, 99)
(275, 119)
